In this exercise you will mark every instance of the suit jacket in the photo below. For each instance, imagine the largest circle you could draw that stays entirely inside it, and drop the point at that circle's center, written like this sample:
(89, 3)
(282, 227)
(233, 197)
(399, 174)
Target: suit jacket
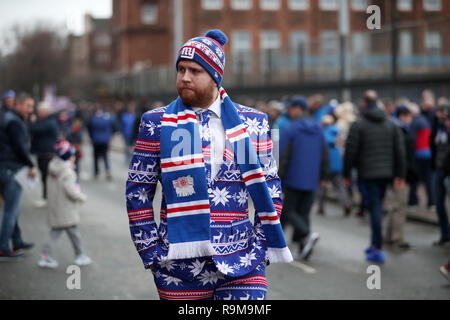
(239, 244)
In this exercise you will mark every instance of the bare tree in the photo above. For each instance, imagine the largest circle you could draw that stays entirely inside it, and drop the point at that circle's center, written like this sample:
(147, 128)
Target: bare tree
(39, 58)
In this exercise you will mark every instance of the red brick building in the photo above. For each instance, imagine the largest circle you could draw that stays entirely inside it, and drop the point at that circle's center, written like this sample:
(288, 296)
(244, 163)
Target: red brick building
(92, 51)
(144, 30)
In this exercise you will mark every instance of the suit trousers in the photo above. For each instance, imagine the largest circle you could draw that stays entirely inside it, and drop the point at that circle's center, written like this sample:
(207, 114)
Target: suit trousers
(200, 279)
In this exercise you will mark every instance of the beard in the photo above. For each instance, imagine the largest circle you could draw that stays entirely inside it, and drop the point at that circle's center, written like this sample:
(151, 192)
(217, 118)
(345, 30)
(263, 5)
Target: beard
(197, 97)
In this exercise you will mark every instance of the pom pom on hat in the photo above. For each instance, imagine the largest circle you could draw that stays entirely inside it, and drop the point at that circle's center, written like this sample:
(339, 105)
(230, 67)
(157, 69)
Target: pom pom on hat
(217, 35)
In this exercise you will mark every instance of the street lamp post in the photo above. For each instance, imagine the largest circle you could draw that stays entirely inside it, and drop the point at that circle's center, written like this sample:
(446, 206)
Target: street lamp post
(177, 25)
(343, 37)
(394, 47)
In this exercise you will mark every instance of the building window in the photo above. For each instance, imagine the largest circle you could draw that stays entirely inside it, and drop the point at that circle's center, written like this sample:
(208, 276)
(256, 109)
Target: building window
(432, 5)
(298, 4)
(212, 4)
(270, 43)
(360, 43)
(404, 5)
(405, 48)
(270, 40)
(103, 58)
(241, 4)
(433, 43)
(269, 4)
(241, 46)
(241, 41)
(328, 4)
(102, 40)
(298, 40)
(329, 43)
(149, 13)
(360, 5)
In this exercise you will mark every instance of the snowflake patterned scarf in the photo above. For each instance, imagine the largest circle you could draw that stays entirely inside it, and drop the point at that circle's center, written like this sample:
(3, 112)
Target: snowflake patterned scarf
(185, 185)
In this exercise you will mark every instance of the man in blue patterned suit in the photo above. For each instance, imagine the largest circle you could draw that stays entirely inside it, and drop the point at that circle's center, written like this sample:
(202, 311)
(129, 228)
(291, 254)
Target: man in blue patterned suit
(205, 246)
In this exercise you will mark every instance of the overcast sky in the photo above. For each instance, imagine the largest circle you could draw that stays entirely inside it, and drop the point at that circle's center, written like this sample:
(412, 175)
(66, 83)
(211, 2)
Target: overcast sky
(68, 13)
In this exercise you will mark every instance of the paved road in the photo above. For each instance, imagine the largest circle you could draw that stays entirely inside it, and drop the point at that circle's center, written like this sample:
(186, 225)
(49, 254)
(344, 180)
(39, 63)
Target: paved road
(336, 269)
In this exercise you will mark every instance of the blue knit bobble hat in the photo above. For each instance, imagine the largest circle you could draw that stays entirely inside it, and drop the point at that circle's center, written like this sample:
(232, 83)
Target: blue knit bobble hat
(208, 52)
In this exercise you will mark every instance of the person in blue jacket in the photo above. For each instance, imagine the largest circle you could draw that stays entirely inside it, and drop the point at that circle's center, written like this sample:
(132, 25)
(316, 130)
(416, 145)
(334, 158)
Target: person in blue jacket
(303, 165)
(100, 131)
(8, 100)
(335, 143)
(127, 120)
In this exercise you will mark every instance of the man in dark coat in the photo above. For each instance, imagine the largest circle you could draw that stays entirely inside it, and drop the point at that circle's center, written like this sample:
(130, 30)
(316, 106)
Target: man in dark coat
(14, 155)
(398, 198)
(375, 147)
(439, 141)
(44, 132)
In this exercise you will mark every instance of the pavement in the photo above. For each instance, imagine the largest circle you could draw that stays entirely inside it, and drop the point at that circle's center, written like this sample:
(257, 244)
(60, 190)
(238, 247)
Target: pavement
(336, 270)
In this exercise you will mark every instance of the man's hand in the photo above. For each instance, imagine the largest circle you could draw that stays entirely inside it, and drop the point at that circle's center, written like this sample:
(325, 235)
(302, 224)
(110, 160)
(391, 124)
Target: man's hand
(323, 184)
(399, 183)
(32, 173)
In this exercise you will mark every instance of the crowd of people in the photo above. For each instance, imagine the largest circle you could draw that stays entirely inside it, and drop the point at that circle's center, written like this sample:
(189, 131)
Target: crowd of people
(48, 143)
(381, 147)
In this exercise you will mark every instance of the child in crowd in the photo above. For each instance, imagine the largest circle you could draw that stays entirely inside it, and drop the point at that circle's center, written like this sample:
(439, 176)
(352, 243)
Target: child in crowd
(64, 198)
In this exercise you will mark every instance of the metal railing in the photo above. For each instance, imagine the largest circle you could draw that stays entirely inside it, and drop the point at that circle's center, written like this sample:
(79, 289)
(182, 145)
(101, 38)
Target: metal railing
(334, 59)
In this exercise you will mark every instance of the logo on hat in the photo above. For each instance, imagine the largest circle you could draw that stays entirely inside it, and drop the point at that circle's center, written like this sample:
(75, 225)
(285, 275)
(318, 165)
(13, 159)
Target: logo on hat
(184, 186)
(187, 53)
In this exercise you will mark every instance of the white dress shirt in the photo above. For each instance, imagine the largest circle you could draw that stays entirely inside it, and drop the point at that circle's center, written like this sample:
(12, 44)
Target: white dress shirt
(217, 132)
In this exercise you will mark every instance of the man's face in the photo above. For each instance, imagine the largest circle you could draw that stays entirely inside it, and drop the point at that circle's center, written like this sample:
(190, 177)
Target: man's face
(9, 102)
(25, 108)
(406, 118)
(441, 115)
(42, 113)
(294, 112)
(195, 86)
(427, 103)
(447, 123)
(131, 108)
(390, 108)
(314, 104)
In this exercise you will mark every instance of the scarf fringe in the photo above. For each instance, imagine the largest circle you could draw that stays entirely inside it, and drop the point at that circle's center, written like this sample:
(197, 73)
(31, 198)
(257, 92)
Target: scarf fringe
(279, 255)
(194, 249)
